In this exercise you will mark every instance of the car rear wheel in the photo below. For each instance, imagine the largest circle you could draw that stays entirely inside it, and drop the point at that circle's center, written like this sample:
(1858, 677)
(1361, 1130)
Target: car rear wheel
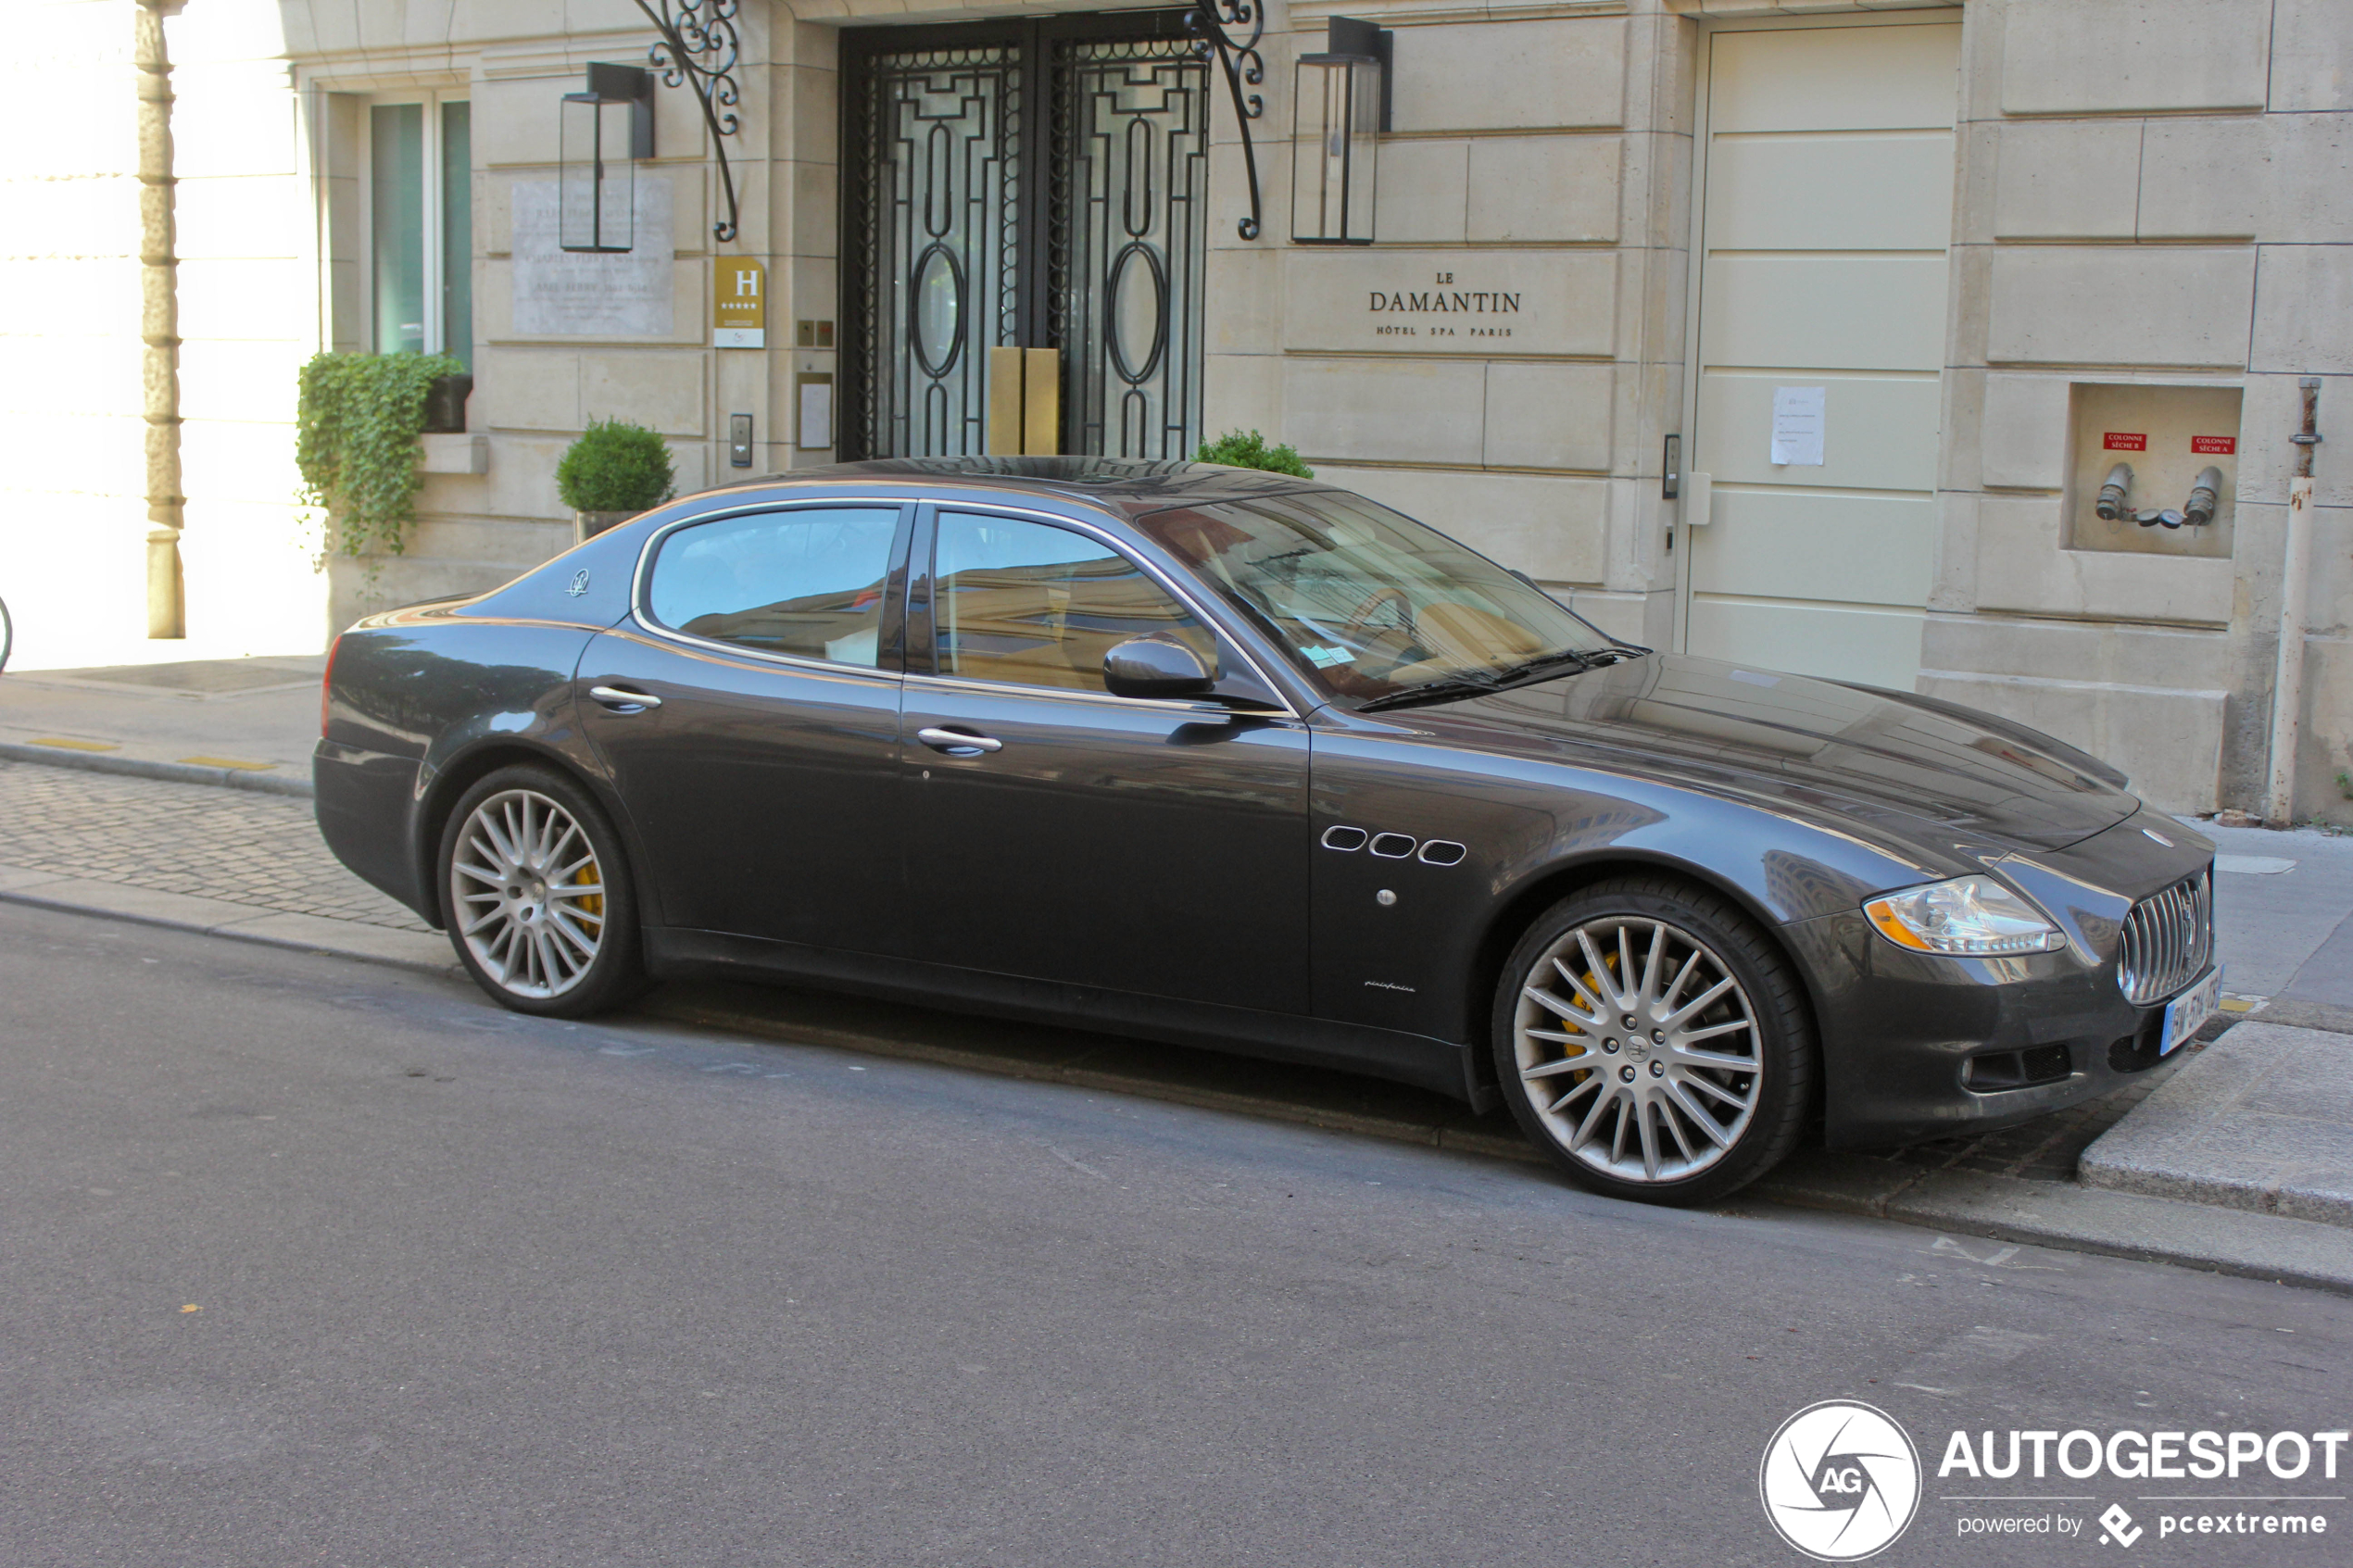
(538, 897)
(1654, 1042)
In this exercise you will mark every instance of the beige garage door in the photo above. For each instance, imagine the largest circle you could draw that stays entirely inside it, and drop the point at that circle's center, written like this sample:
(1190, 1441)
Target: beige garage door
(1827, 213)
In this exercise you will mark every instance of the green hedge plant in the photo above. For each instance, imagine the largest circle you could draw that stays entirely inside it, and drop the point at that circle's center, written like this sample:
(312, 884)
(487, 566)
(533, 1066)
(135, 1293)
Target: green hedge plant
(1240, 449)
(357, 420)
(616, 467)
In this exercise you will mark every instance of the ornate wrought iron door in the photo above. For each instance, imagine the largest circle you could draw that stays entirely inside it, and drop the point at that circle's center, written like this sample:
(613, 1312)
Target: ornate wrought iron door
(943, 243)
(1130, 192)
(1030, 184)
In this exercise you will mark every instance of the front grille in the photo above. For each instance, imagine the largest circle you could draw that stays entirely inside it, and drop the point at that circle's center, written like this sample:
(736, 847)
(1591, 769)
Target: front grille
(2167, 939)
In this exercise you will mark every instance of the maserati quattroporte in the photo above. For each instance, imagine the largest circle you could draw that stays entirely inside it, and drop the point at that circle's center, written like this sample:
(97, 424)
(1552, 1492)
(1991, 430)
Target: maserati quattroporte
(1232, 760)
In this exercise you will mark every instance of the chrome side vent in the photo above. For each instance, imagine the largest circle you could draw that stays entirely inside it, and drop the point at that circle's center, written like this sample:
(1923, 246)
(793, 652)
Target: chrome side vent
(2167, 939)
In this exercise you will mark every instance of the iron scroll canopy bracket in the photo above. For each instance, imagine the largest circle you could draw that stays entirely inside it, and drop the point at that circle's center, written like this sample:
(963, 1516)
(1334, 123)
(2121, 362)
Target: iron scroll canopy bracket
(699, 47)
(1229, 31)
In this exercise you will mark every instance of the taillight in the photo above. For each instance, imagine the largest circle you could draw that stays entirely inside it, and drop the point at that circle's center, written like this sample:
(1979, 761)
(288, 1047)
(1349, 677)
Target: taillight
(327, 685)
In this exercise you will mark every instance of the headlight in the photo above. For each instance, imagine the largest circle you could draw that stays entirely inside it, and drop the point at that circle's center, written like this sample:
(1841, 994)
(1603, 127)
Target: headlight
(1968, 917)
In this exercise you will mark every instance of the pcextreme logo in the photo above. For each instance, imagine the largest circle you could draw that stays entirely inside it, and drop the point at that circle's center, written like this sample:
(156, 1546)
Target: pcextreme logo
(1840, 1481)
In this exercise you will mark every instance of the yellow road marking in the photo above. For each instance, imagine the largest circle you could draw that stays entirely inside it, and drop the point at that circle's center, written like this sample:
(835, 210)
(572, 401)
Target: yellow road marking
(76, 744)
(230, 762)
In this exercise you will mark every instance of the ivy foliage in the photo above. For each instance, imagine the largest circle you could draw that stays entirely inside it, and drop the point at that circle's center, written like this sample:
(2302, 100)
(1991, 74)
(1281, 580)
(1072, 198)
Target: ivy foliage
(357, 424)
(616, 467)
(1239, 449)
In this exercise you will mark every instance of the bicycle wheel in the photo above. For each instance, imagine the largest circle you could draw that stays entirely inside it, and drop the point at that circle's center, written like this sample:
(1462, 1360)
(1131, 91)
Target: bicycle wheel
(7, 634)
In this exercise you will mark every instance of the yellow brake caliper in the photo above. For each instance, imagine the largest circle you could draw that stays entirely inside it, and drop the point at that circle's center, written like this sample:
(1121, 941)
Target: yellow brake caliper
(593, 906)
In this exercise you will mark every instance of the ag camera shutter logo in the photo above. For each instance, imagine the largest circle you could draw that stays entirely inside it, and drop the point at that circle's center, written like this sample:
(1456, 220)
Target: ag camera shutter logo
(1840, 1481)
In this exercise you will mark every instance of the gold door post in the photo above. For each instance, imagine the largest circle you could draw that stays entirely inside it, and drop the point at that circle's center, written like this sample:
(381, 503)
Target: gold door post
(1025, 402)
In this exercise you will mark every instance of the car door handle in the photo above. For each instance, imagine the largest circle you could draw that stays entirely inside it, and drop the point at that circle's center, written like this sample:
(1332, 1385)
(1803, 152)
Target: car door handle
(956, 743)
(622, 701)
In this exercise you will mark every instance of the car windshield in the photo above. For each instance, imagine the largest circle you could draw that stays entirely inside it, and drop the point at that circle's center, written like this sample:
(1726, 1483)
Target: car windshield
(1372, 602)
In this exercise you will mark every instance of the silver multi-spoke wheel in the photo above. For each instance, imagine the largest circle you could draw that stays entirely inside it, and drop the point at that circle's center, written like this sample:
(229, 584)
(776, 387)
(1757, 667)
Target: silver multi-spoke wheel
(1638, 1048)
(527, 895)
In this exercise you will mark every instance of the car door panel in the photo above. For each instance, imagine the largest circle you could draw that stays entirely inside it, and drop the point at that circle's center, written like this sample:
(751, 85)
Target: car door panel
(764, 785)
(765, 797)
(1117, 845)
(1153, 847)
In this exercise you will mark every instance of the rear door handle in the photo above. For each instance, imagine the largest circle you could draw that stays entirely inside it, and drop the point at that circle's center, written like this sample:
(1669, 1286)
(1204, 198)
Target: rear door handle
(956, 743)
(622, 701)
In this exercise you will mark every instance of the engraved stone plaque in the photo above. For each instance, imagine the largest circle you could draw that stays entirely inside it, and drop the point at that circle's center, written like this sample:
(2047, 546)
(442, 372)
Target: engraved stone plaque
(572, 293)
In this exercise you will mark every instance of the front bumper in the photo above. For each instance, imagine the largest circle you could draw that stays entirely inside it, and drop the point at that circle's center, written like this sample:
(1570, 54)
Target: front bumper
(1899, 1029)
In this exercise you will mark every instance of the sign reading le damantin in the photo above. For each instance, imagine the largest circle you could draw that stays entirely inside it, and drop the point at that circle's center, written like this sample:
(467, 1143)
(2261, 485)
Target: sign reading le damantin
(1442, 311)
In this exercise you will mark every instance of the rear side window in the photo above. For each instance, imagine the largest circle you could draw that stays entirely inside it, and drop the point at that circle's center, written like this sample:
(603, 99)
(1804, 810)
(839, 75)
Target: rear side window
(804, 582)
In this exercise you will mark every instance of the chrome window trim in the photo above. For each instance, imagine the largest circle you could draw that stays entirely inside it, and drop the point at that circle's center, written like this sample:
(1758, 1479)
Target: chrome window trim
(1111, 541)
(641, 584)
(1160, 704)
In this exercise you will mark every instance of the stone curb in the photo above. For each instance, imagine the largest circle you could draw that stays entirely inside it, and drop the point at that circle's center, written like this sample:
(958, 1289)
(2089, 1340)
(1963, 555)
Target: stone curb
(2008, 1208)
(2327, 1017)
(242, 922)
(149, 767)
(2071, 1218)
(2217, 1135)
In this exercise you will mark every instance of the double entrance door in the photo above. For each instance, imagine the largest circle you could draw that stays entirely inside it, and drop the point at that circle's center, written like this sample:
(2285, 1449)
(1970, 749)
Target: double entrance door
(1023, 185)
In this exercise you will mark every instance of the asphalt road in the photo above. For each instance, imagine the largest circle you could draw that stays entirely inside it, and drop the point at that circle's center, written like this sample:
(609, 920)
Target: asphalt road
(308, 1261)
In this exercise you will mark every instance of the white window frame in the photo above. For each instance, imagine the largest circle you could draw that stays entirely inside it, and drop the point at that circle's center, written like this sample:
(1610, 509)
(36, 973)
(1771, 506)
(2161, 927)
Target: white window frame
(435, 279)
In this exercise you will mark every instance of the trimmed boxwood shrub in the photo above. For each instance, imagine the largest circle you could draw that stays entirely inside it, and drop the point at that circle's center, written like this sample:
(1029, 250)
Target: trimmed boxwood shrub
(616, 467)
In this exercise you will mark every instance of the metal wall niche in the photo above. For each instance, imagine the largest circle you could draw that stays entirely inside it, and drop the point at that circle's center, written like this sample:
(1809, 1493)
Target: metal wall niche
(1039, 186)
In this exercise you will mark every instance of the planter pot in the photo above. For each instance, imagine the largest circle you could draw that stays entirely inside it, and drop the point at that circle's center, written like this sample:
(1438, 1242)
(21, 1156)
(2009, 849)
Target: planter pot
(446, 404)
(587, 525)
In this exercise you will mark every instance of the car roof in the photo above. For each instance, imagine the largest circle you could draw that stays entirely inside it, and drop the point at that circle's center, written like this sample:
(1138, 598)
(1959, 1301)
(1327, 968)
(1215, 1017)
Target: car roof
(1124, 486)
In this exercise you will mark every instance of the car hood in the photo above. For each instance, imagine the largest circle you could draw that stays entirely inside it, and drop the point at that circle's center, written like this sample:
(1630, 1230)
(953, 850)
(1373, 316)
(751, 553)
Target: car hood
(1922, 768)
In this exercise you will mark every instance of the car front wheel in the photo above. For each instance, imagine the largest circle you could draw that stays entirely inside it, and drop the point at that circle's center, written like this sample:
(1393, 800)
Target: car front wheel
(538, 895)
(1654, 1042)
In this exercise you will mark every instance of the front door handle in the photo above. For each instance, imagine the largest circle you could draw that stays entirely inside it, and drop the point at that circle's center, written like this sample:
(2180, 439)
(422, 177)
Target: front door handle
(622, 701)
(956, 743)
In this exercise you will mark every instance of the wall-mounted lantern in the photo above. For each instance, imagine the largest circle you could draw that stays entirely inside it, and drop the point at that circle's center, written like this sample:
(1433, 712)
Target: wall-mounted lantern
(1341, 107)
(605, 131)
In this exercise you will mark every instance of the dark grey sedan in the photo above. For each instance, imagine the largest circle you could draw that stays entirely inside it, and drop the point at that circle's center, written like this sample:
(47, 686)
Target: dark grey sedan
(1225, 758)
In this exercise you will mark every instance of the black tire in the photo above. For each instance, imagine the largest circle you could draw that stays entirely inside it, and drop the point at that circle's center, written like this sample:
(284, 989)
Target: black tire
(554, 948)
(1652, 1078)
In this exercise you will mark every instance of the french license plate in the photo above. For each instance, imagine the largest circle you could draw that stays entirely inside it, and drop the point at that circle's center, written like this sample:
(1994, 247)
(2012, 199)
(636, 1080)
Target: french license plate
(2186, 1013)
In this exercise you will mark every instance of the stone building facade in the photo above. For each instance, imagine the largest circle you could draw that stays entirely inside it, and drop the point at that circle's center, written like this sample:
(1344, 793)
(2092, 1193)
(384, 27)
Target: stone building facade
(1904, 283)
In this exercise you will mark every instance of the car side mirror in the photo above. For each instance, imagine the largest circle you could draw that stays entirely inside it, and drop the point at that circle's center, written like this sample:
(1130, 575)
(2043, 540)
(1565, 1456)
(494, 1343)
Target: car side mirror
(1155, 666)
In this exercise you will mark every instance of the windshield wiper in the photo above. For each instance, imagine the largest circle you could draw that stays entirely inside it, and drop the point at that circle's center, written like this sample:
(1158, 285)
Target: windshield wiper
(1543, 667)
(1563, 661)
(1443, 690)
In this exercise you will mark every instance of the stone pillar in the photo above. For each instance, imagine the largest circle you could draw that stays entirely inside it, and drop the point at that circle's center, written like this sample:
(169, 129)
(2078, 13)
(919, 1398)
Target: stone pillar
(158, 321)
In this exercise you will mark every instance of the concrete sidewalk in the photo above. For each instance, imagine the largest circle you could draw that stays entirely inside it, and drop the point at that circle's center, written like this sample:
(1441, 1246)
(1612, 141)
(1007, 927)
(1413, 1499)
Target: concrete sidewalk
(247, 722)
(2178, 1171)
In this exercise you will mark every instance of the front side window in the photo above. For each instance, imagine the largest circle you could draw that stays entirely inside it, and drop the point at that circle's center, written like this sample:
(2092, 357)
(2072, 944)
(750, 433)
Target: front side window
(420, 227)
(808, 584)
(1039, 605)
(1373, 602)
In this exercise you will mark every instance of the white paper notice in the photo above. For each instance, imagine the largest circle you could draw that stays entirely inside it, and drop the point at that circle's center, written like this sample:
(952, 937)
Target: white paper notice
(1797, 425)
(816, 415)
